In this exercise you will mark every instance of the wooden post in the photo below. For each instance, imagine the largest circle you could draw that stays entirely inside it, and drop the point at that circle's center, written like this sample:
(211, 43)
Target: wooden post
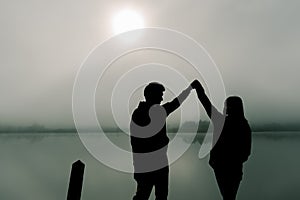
(76, 180)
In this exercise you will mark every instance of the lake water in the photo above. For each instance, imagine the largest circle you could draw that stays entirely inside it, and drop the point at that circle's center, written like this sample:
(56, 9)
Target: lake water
(37, 167)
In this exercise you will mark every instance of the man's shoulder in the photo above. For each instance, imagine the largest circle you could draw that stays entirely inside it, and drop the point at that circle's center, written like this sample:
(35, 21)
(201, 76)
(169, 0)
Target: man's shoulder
(140, 116)
(135, 114)
(157, 111)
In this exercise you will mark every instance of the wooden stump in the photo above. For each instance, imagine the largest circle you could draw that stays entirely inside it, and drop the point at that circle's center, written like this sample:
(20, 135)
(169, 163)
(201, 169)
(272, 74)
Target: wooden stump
(76, 181)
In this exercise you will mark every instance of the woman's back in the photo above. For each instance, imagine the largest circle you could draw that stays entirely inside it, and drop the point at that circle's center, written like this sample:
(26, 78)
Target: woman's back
(234, 143)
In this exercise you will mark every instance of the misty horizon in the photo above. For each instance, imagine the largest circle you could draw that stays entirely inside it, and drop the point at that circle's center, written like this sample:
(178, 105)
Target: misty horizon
(187, 126)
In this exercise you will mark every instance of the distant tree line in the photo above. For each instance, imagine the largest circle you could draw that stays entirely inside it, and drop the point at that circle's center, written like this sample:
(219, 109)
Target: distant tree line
(189, 126)
(186, 127)
(275, 127)
(35, 128)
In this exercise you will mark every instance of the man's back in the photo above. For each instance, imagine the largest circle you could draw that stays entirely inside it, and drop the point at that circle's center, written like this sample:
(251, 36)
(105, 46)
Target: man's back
(144, 137)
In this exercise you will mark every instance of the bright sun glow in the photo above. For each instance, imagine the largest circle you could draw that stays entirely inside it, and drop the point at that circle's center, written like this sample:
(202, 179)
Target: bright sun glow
(127, 20)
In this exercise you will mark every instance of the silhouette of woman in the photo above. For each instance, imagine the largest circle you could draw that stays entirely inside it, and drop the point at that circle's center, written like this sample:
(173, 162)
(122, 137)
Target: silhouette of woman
(231, 141)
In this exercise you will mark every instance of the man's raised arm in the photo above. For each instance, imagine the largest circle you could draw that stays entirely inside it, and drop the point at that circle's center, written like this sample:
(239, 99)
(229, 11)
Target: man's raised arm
(177, 101)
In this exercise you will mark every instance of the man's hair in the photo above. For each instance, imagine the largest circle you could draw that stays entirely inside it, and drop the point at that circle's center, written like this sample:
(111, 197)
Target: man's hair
(153, 88)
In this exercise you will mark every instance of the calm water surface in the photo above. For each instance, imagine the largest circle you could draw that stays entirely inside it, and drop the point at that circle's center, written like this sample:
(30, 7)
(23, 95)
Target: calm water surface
(37, 167)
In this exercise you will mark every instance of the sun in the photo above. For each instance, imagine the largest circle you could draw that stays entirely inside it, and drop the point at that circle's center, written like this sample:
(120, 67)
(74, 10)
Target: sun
(127, 20)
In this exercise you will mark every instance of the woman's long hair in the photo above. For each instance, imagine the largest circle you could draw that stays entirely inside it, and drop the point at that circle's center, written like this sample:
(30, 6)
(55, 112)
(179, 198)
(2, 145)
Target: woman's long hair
(234, 107)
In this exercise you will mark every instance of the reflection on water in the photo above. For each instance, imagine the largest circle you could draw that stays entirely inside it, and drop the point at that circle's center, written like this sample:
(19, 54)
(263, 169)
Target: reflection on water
(37, 167)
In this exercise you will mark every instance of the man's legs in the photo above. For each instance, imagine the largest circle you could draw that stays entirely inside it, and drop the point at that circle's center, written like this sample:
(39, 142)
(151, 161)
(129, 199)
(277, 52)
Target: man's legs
(144, 187)
(162, 183)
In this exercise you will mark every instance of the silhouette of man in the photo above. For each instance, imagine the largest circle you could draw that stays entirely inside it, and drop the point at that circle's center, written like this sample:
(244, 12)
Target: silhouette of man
(149, 141)
(231, 139)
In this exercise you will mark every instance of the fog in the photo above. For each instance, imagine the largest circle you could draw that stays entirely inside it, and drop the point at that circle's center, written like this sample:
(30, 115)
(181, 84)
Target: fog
(255, 45)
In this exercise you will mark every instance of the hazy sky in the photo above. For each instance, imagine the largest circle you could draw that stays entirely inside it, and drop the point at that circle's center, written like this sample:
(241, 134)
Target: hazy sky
(255, 44)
